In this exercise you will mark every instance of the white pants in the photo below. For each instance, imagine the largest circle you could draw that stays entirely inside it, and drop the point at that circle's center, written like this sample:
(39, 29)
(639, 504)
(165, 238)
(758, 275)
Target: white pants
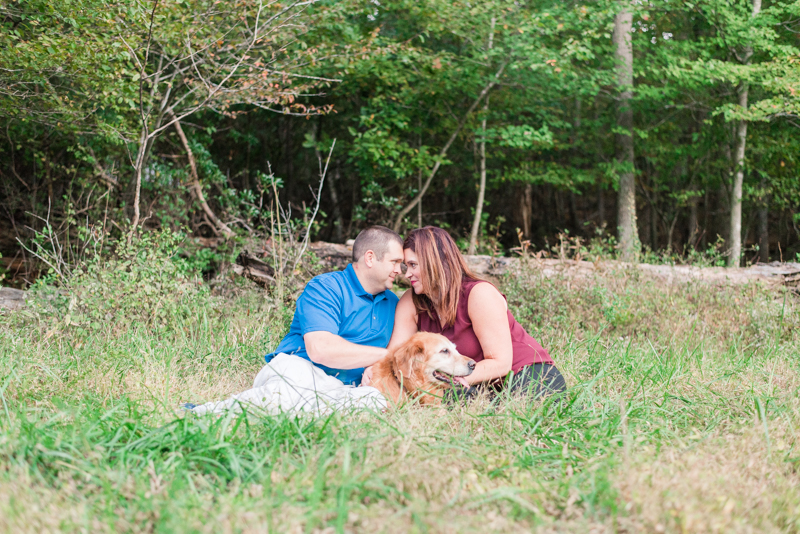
(292, 384)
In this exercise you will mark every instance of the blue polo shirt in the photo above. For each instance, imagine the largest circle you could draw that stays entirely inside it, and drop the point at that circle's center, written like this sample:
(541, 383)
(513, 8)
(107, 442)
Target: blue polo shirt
(339, 304)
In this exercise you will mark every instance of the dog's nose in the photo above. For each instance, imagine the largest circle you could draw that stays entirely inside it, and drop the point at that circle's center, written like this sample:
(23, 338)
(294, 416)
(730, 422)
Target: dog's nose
(471, 365)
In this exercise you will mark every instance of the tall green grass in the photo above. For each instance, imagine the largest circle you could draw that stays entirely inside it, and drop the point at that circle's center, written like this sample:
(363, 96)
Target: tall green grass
(682, 416)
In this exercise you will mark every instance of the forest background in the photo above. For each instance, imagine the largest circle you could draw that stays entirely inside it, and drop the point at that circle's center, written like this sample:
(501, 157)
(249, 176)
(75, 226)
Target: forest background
(658, 128)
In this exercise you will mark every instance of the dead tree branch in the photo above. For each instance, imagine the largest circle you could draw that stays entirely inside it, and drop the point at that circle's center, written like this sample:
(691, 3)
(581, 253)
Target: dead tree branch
(443, 152)
(219, 226)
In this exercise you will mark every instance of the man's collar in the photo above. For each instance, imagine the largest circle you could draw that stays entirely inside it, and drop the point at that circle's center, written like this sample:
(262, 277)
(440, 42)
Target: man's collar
(352, 277)
(359, 290)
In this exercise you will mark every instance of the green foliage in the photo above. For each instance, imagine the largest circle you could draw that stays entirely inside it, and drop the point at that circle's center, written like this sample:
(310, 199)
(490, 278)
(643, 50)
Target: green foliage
(541, 172)
(520, 136)
(490, 237)
(143, 284)
(197, 261)
(617, 309)
(70, 68)
(391, 82)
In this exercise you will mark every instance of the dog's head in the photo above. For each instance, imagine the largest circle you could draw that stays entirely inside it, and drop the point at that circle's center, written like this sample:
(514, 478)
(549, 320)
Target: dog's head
(429, 363)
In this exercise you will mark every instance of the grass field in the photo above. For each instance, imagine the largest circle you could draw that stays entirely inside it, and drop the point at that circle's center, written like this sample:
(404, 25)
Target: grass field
(682, 416)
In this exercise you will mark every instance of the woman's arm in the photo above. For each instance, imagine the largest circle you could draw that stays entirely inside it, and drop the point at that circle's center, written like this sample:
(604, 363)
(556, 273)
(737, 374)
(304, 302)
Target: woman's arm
(488, 312)
(405, 321)
(405, 326)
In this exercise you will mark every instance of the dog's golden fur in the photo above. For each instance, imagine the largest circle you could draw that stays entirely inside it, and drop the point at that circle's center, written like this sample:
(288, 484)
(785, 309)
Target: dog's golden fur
(421, 369)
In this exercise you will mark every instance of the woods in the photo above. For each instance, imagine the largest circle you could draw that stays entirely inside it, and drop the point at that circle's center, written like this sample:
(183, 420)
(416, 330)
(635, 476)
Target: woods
(664, 129)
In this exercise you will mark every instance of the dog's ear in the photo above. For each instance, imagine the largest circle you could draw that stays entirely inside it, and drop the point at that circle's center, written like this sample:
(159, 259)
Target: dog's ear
(408, 355)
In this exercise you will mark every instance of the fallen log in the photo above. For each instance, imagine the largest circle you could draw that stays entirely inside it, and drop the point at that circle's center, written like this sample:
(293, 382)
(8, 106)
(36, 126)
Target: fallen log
(333, 256)
(775, 273)
(12, 299)
(771, 274)
(254, 269)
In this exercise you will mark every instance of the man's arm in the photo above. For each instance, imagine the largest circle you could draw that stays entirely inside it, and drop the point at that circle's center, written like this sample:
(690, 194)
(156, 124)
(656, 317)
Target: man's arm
(334, 351)
(405, 326)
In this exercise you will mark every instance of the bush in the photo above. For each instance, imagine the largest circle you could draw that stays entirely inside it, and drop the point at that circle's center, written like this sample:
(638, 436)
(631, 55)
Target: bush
(143, 283)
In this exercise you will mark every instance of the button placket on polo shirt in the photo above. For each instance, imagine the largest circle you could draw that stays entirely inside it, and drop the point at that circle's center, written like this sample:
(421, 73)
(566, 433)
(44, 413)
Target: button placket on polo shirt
(374, 319)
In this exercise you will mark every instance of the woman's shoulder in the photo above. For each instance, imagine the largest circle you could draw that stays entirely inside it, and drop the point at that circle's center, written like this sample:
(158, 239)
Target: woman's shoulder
(406, 296)
(480, 287)
(483, 293)
(406, 303)
(468, 285)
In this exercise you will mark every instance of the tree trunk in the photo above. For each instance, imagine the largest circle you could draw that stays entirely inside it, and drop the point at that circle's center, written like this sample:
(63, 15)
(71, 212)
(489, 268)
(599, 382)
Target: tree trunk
(576, 138)
(49, 177)
(559, 204)
(691, 224)
(723, 199)
(629, 245)
(146, 140)
(573, 211)
(601, 206)
(653, 222)
(246, 180)
(353, 204)
(476, 222)
(140, 159)
(703, 241)
(419, 204)
(693, 230)
(338, 223)
(738, 177)
(526, 204)
(763, 227)
(735, 231)
(671, 231)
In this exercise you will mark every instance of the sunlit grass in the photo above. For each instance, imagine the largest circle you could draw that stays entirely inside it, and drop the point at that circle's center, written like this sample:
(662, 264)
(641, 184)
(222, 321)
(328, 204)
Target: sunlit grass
(682, 416)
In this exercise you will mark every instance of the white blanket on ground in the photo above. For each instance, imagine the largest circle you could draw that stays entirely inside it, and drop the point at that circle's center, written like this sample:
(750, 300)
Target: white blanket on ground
(292, 384)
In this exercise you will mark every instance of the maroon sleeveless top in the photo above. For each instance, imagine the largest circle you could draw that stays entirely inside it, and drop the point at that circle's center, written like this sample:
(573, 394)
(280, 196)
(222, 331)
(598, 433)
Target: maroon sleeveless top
(526, 350)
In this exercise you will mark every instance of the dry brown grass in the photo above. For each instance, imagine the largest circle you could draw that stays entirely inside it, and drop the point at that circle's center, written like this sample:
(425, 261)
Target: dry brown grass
(741, 481)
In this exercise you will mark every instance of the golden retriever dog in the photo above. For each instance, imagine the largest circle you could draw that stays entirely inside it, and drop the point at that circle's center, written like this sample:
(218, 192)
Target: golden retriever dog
(421, 369)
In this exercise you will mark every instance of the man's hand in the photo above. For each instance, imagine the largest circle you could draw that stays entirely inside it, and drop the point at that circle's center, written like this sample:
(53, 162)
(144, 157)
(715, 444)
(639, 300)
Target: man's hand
(366, 380)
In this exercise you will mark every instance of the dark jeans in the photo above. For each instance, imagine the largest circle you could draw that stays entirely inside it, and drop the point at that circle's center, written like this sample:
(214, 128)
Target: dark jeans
(535, 381)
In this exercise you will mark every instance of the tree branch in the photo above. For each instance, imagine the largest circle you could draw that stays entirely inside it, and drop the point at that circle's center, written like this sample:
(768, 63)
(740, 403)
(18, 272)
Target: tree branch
(196, 187)
(442, 153)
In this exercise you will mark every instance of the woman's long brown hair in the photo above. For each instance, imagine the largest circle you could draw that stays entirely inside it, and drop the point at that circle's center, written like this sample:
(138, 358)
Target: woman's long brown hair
(442, 270)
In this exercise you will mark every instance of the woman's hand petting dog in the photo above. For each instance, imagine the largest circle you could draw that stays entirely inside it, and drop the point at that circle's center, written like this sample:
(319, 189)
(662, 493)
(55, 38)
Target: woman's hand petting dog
(421, 369)
(366, 380)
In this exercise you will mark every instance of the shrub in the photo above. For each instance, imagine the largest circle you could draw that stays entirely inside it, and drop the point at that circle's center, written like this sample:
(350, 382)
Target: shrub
(143, 283)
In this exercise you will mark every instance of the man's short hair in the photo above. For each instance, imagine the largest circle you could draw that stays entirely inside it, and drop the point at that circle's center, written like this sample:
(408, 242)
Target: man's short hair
(376, 239)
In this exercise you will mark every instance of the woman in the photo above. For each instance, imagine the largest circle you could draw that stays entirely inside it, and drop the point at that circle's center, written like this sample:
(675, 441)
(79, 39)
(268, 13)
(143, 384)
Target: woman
(448, 298)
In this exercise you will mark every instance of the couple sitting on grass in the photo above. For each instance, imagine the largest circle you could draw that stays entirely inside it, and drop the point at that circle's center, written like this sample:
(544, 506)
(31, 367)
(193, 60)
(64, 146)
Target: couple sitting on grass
(349, 320)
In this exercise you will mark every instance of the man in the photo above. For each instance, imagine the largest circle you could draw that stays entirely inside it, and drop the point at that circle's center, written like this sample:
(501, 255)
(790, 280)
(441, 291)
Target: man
(343, 320)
